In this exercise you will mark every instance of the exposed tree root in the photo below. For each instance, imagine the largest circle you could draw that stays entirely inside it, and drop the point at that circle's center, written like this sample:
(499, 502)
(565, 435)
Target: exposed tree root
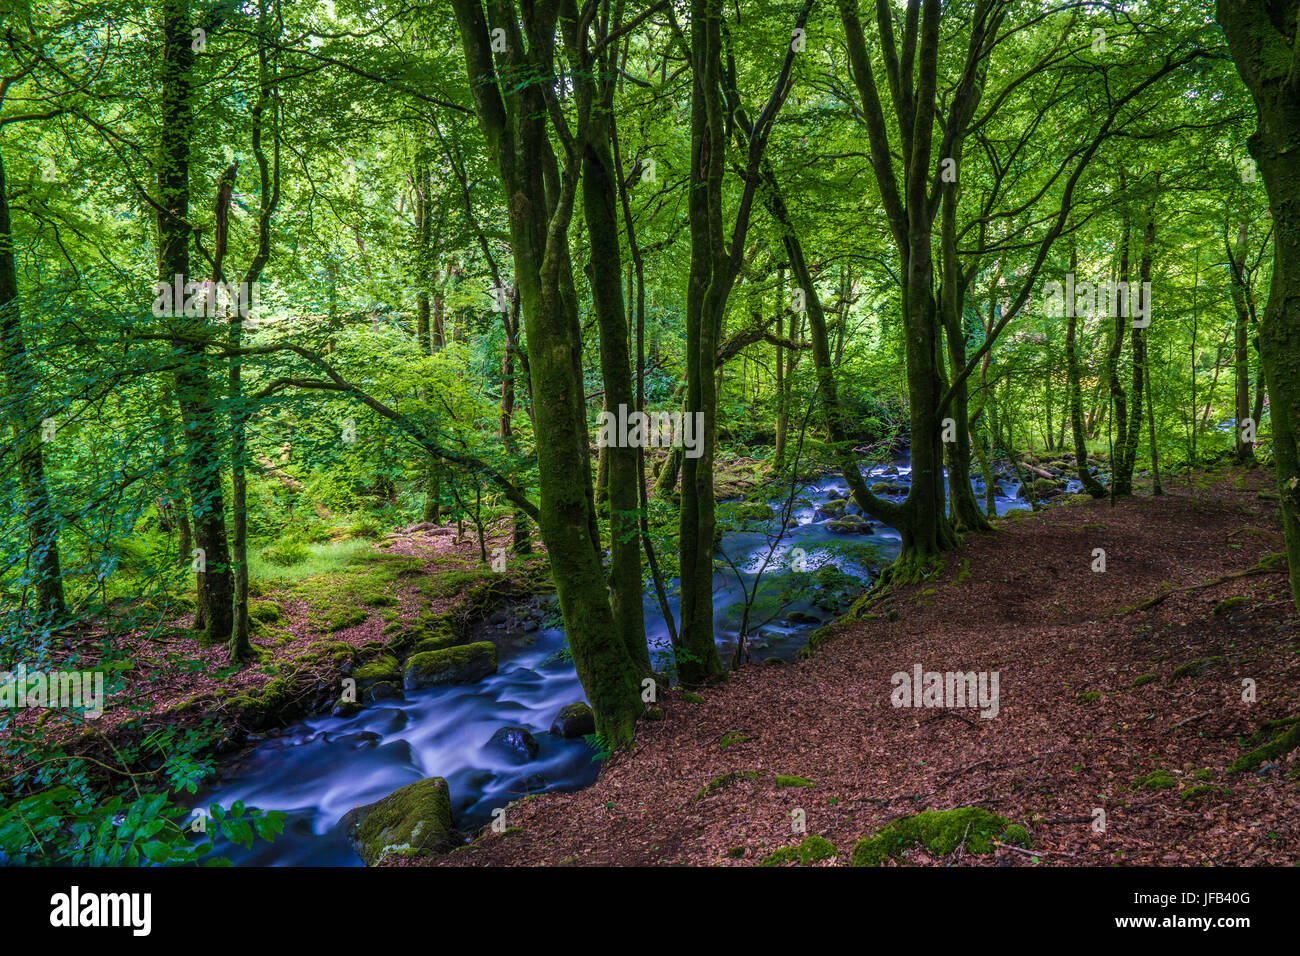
(1271, 564)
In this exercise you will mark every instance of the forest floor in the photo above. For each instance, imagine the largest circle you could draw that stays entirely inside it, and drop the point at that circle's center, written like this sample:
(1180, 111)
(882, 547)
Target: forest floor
(307, 633)
(1137, 712)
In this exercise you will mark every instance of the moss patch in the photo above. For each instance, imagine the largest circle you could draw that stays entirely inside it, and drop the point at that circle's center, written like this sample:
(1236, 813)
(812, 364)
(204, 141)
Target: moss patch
(725, 780)
(940, 832)
(1155, 780)
(790, 780)
(1197, 665)
(811, 850)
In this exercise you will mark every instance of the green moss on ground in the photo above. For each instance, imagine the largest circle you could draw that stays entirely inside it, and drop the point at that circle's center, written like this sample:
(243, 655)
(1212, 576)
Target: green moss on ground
(1155, 780)
(940, 832)
(725, 780)
(264, 612)
(790, 780)
(812, 850)
(1228, 604)
(1196, 666)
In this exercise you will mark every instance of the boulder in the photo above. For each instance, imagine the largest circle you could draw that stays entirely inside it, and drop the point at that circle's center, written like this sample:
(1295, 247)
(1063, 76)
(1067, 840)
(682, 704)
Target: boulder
(345, 708)
(453, 665)
(408, 822)
(849, 524)
(379, 670)
(574, 720)
(802, 617)
(892, 488)
(516, 743)
(384, 690)
(832, 509)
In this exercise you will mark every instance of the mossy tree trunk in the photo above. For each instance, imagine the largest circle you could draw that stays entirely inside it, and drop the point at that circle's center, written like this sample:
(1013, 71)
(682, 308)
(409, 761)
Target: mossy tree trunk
(696, 654)
(539, 201)
(195, 392)
(1262, 39)
(24, 416)
(1074, 394)
(1243, 307)
(1121, 478)
(605, 270)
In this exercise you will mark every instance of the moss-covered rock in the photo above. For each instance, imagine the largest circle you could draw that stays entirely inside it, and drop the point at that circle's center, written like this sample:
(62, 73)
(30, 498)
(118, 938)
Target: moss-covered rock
(574, 720)
(1145, 679)
(849, 524)
(264, 612)
(385, 668)
(384, 690)
(411, 821)
(345, 708)
(940, 832)
(262, 706)
(811, 850)
(435, 642)
(453, 665)
(832, 509)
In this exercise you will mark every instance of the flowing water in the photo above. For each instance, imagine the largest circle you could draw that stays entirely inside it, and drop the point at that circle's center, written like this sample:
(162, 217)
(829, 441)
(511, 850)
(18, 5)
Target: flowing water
(318, 769)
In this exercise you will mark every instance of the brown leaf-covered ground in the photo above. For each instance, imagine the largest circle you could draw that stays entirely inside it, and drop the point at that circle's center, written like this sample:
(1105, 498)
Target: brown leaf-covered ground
(1025, 602)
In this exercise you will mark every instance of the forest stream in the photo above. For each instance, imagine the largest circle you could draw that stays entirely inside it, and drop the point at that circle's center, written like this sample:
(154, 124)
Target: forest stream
(318, 769)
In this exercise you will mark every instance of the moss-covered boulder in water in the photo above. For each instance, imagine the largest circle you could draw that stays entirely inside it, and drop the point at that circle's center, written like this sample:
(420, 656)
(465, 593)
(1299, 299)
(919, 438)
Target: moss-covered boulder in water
(832, 509)
(940, 832)
(436, 642)
(413, 820)
(574, 720)
(849, 524)
(453, 665)
(379, 670)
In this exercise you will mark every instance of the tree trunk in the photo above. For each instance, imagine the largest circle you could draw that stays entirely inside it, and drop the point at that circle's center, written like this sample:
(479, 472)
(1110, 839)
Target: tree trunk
(195, 393)
(1244, 450)
(25, 418)
(514, 124)
(1265, 57)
